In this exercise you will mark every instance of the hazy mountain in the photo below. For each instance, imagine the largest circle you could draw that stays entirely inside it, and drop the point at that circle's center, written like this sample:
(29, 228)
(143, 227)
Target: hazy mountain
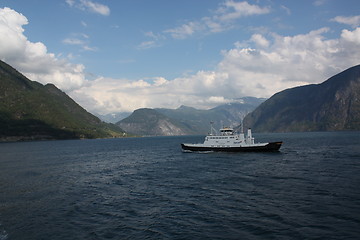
(30, 110)
(198, 121)
(149, 122)
(331, 105)
(113, 117)
(187, 120)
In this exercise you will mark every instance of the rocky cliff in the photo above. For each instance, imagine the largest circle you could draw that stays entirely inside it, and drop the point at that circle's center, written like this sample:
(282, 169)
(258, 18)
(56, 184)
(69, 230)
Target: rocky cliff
(149, 122)
(330, 106)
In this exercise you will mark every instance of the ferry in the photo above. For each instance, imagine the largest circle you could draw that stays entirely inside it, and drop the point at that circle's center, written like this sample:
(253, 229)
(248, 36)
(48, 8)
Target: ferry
(229, 141)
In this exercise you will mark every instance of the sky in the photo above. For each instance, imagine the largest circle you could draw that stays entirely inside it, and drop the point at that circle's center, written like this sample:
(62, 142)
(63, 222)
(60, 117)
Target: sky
(120, 55)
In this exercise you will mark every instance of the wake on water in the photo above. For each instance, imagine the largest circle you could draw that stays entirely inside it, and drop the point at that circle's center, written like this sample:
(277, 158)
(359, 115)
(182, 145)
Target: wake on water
(3, 233)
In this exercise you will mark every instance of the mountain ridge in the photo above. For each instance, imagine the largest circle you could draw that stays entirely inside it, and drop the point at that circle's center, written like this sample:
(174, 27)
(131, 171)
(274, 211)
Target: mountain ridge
(332, 105)
(186, 120)
(32, 111)
(150, 122)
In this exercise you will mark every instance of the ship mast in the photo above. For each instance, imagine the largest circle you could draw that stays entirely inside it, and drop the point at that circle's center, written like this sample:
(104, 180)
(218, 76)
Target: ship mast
(212, 128)
(241, 126)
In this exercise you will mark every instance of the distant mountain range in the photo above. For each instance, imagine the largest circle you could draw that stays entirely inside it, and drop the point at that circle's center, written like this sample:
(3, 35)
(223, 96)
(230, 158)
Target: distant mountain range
(330, 106)
(149, 122)
(187, 120)
(32, 111)
(113, 117)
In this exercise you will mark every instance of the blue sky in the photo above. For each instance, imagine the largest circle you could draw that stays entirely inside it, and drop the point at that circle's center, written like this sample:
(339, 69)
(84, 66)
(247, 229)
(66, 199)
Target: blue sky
(113, 56)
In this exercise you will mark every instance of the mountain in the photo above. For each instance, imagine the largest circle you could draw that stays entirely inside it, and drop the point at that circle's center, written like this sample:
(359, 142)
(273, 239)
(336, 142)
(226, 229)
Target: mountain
(187, 120)
(113, 117)
(330, 106)
(233, 113)
(198, 121)
(32, 111)
(146, 121)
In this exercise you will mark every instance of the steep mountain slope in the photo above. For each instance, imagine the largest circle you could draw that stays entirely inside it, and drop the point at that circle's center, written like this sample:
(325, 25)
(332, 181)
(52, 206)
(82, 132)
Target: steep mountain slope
(150, 122)
(194, 119)
(329, 106)
(30, 110)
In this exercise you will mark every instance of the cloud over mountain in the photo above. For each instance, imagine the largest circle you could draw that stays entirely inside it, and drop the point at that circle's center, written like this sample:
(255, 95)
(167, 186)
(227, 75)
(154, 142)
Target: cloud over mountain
(265, 63)
(33, 58)
(270, 65)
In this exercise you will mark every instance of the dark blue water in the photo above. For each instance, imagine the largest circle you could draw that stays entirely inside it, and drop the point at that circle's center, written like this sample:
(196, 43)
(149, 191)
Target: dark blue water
(146, 188)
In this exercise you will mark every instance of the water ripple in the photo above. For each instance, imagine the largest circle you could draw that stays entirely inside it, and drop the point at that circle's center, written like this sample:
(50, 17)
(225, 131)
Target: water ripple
(148, 188)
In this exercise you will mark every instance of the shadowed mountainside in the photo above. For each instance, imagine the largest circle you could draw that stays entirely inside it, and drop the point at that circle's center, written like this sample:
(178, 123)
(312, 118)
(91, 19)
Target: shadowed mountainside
(32, 111)
(330, 106)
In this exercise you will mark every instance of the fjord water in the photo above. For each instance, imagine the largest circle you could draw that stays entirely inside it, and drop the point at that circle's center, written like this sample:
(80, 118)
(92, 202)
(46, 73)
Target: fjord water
(147, 188)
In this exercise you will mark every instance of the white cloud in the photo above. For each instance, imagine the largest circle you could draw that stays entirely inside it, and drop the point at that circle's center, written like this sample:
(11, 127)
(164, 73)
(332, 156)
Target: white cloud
(351, 36)
(218, 100)
(184, 30)
(81, 40)
(88, 5)
(221, 21)
(290, 61)
(88, 48)
(353, 21)
(260, 40)
(147, 44)
(154, 42)
(73, 41)
(234, 10)
(33, 59)
(286, 9)
(96, 7)
(319, 2)
(113, 95)
(273, 64)
(70, 2)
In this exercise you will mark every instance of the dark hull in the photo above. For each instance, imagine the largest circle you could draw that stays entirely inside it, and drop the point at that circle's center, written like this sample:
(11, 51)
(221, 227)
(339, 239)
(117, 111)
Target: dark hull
(270, 147)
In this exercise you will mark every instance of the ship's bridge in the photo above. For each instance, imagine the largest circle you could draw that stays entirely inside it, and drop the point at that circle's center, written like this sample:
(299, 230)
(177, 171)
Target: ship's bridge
(226, 131)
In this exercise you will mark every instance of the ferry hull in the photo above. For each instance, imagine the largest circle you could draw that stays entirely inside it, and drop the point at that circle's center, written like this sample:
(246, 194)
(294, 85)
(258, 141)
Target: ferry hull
(270, 147)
